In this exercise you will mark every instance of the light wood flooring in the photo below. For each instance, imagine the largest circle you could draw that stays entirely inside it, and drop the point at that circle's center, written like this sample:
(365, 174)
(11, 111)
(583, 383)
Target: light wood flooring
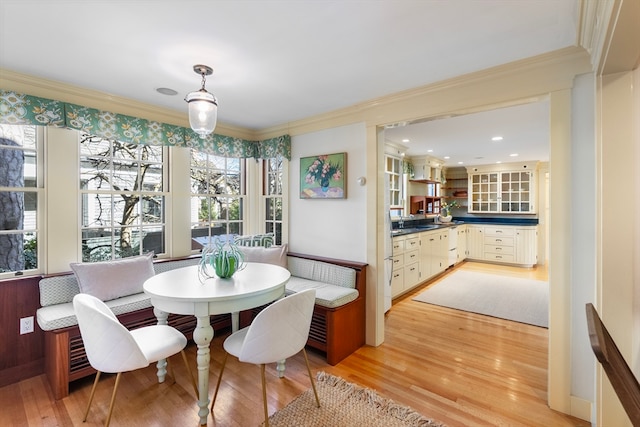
(456, 367)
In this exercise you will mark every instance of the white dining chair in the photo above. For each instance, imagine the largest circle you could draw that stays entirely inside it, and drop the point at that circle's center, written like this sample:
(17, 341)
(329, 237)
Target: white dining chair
(112, 348)
(278, 332)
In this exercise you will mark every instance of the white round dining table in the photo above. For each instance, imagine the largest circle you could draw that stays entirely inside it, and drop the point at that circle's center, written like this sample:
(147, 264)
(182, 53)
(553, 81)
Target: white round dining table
(181, 291)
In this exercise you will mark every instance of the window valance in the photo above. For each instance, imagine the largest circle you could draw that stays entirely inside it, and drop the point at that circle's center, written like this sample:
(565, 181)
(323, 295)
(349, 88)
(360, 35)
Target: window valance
(18, 108)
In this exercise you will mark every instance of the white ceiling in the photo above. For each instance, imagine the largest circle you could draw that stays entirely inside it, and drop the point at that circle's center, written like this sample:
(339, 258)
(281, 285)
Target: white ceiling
(276, 61)
(467, 140)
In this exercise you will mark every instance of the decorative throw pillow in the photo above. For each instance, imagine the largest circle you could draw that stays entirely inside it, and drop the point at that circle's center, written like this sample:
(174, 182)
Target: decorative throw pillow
(114, 279)
(274, 255)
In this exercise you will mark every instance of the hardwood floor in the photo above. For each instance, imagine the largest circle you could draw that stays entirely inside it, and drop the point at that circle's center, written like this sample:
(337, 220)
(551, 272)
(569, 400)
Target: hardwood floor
(459, 368)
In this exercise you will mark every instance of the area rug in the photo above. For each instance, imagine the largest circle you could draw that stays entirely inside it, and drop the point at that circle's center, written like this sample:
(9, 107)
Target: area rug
(511, 298)
(343, 404)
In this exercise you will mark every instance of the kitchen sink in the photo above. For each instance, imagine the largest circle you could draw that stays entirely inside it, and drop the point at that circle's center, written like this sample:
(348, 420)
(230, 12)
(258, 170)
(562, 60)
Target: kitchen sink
(426, 227)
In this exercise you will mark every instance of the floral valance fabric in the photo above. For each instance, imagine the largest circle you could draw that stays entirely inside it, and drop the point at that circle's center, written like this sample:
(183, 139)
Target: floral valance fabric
(18, 108)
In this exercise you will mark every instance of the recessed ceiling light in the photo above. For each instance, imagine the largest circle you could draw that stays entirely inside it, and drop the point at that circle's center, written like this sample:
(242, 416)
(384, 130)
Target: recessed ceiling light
(497, 138)
(498, 161)
(429, 151)
(513, 155)
(460, 163)
(166, 91)
(406, 140)
(447, 157)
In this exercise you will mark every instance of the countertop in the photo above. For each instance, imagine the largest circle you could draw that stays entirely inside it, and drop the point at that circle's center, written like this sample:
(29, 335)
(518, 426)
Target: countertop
(418, 226)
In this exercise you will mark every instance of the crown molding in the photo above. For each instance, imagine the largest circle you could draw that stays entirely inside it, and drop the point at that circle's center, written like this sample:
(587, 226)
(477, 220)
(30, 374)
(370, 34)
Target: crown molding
(51, 89)
(509, 83)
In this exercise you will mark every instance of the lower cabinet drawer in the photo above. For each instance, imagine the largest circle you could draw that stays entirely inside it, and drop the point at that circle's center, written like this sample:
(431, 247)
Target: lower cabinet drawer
(502, 241)
(411, 257)
(398, 261)
(411, 275)
(499, 257)
(505, 250)
(397, 282)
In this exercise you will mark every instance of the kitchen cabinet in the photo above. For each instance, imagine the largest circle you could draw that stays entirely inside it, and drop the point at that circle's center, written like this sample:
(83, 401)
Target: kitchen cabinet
(475, 242)
(483, 192)
(503, 243)
(397, 259)
(427, 168)
(406, 263)
(508, 191)
(433, 253)
(517, 191)
(461, 244)
(499, 244)
(393, 173)
(527, 246)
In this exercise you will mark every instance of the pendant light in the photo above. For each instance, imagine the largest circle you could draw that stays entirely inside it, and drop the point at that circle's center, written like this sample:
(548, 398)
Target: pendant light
(203, 106)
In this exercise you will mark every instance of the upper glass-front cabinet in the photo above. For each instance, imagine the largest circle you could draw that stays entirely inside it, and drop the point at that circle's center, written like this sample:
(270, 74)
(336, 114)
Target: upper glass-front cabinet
(502, 192)
(515, 192)
(393, 169)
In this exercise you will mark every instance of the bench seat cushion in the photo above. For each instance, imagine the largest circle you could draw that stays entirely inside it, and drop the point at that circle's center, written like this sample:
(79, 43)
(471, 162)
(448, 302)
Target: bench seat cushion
(62, 315)
(322, 272)
(327, 295)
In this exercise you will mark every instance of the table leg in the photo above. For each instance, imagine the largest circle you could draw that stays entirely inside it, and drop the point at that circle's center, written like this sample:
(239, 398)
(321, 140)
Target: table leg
(280, 367)
(162, 363)
(202, 335)
(235, 321)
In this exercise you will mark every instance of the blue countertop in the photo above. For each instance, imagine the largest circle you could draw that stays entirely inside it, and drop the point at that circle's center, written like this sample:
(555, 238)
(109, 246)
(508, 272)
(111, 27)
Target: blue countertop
(411, 226)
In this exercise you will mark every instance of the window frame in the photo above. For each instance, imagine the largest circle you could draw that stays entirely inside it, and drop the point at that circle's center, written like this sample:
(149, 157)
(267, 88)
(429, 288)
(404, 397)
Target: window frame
(201, 230)
(39, 191)
(114, 161)
(269, 222)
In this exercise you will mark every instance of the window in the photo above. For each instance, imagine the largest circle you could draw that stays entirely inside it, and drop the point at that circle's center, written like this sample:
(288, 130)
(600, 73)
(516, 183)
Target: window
(20, 189)
(122, 187)
(272, 192)
(218, 196)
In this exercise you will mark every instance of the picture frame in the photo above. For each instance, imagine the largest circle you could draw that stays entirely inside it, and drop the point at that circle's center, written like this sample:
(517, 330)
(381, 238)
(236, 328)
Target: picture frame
(323, 176)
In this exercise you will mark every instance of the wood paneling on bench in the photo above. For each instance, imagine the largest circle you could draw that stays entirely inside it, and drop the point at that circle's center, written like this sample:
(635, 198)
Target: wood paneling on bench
(339, 331)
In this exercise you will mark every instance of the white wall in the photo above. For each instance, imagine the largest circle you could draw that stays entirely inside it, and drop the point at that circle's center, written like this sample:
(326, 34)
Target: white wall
(330, 228)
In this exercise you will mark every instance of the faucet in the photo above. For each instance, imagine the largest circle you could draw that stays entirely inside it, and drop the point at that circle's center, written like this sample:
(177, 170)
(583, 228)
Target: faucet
(401, 223)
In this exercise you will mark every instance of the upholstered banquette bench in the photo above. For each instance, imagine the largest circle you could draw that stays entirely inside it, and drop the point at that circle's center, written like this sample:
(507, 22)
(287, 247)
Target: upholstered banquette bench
(338, 323)
(337, 327)
(65, 358)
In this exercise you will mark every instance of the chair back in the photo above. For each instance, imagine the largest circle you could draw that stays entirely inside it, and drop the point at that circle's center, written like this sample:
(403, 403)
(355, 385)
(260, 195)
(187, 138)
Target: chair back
(279, 331)
(108, 344)
(620, 375)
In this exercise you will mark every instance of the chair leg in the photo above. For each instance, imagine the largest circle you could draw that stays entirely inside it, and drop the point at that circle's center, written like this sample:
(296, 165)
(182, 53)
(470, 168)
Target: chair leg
(215, 393)
(113, 399)
(264, 396)
(193, 381)
(313, 384)
(93, 390)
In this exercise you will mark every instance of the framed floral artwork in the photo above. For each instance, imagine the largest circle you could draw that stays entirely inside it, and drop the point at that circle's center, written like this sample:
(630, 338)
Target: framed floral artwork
(323, 176)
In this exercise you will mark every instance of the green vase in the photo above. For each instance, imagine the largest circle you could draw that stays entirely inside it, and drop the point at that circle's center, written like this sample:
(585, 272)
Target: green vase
(224, 264)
